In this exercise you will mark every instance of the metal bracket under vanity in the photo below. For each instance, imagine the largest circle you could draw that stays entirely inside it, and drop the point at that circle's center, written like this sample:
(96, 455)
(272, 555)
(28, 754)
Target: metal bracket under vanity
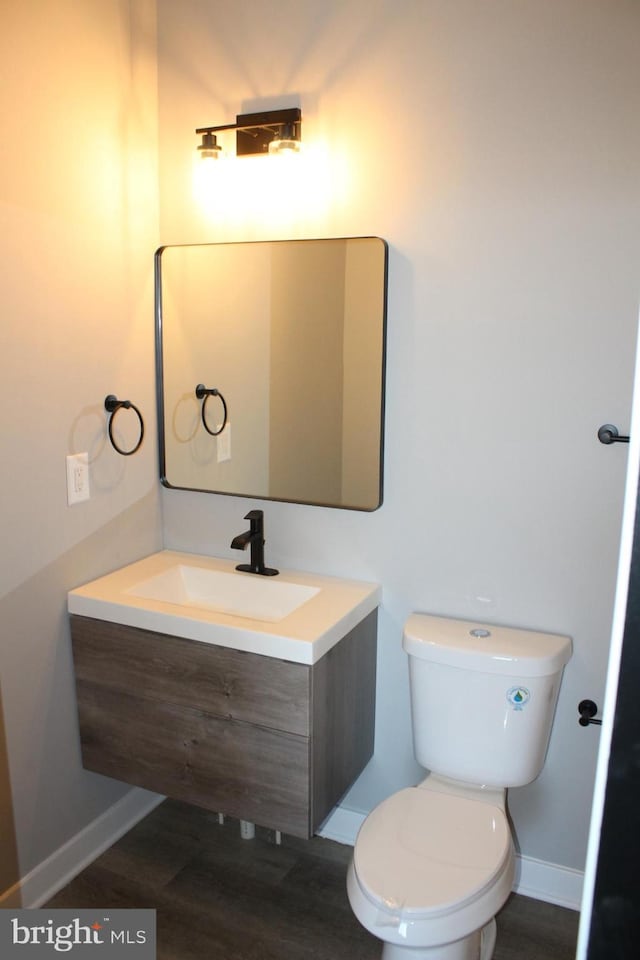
(266, 740)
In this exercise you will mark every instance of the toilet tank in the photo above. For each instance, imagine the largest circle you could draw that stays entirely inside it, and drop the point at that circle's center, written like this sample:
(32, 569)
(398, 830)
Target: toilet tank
(482, 698)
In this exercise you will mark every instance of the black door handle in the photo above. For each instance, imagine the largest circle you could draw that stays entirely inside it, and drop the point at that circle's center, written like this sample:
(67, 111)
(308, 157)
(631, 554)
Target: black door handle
(587, 710)
(609, 434)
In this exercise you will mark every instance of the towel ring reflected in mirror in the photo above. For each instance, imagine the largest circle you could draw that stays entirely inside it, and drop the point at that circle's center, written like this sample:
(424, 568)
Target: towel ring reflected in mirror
(203, 393)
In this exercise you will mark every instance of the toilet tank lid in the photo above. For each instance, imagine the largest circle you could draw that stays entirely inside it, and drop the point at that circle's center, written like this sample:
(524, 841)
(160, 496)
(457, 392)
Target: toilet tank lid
(485, 647)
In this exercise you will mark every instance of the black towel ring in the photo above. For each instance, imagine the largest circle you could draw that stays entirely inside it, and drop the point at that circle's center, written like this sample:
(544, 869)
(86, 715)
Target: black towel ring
(203, 393)
(112, 405)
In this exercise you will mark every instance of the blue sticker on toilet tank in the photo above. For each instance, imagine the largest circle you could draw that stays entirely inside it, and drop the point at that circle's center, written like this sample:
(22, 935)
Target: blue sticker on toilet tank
(518, 697)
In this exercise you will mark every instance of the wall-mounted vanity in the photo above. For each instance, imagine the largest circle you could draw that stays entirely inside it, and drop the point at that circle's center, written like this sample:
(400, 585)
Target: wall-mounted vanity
(247, 695)
(292, 335)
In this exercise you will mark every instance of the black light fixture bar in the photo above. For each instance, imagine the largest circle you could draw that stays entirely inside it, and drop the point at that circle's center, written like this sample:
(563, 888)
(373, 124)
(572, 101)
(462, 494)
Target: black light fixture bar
(255, 131)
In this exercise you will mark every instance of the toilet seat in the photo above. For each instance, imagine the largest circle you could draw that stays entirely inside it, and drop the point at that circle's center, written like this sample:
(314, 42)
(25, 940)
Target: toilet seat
(421, 854)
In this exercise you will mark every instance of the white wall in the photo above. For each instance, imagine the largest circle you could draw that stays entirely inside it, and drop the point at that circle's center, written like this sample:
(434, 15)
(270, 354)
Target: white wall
(496, 147)
(363, 366)
(234, 360)
(78, 204)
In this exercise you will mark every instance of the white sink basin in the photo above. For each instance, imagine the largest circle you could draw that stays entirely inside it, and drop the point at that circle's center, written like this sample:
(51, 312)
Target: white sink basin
(240, 594)
(294, 616)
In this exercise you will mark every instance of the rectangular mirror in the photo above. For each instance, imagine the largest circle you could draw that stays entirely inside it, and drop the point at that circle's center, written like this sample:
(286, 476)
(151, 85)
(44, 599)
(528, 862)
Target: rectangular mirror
(287, 340)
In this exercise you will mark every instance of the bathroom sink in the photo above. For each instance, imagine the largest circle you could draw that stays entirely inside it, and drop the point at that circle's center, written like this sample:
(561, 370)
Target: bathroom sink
(295, 616)
(243, 595)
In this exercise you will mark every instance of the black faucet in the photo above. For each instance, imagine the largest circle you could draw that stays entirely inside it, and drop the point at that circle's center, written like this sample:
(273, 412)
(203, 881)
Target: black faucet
(255, 537)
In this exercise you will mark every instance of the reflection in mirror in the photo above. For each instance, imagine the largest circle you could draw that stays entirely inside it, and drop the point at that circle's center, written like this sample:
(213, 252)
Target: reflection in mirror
(287, 338)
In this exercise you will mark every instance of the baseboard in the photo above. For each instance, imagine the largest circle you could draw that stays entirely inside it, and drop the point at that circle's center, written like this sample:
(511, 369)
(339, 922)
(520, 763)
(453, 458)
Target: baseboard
(342, 825)
(550, 882)
(41, 883)
(534, 878)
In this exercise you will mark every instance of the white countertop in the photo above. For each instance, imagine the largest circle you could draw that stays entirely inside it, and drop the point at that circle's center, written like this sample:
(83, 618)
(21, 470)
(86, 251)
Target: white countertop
(304, 636)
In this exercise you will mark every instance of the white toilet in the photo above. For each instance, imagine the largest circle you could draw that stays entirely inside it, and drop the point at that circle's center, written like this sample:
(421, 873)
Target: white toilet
(433, 864)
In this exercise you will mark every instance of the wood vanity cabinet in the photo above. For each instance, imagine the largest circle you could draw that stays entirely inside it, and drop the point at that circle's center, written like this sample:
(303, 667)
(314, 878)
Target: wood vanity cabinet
(265, 740)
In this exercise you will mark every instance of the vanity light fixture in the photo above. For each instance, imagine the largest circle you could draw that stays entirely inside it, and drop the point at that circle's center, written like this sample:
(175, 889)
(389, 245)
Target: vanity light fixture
(273, 132)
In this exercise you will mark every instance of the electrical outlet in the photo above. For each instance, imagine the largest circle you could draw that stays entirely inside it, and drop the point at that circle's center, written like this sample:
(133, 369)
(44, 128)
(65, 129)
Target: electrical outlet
(77, 478)
(224, 443)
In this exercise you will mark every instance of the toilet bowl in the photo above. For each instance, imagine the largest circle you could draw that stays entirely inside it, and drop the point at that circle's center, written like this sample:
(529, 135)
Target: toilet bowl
(432, 866)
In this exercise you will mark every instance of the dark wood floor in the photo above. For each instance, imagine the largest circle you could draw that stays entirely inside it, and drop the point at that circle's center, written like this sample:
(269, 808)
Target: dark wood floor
(220, 897)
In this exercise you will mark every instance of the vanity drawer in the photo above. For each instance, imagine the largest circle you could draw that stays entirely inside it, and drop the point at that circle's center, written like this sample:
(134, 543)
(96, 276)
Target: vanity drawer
(227, 683)
(251, 772)
(261, 739)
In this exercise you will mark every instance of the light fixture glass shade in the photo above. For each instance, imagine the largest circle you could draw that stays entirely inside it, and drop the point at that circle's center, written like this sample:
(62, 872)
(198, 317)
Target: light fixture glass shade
(284, 146)
(209, 149)
(286, 140)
